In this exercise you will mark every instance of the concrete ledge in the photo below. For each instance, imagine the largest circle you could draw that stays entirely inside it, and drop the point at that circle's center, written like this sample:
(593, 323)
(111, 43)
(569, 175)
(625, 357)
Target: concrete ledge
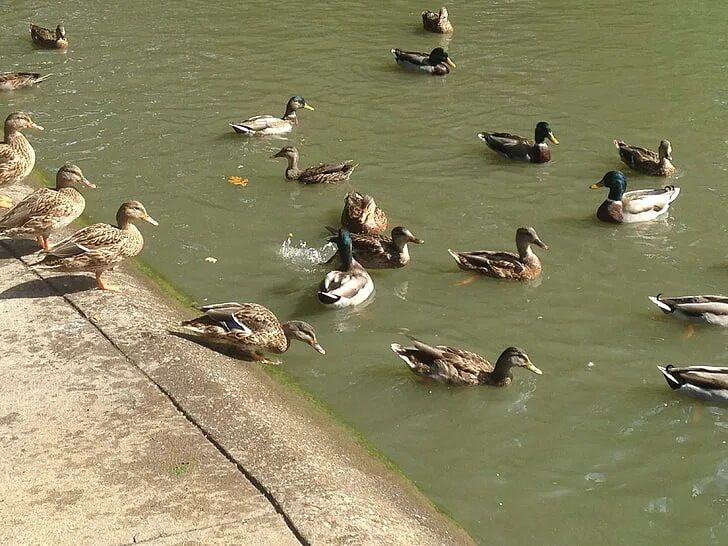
(234, 425)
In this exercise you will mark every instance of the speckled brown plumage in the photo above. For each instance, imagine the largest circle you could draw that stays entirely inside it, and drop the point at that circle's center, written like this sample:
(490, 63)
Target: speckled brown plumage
(323, 173)
(361, 214)
(51, 39)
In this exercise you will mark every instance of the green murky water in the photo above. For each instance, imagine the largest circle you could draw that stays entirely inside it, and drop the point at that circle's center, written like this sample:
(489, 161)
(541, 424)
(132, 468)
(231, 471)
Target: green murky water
(598, 449)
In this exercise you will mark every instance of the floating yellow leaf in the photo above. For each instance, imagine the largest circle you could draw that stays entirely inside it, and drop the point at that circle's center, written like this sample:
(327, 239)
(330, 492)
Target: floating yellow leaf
(238, 180)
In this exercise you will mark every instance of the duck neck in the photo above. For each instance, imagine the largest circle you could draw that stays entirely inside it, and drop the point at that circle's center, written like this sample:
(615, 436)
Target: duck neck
(14, 138)
(502, 372)
(292, 171)
(124, 222)
(615, 193)
(524, 250)
(290, 115)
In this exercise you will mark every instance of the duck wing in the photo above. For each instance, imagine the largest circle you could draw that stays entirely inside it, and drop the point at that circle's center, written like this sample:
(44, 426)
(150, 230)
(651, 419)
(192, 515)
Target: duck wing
(638, 201)
(412, 57)
(327, 173)
(635, 155)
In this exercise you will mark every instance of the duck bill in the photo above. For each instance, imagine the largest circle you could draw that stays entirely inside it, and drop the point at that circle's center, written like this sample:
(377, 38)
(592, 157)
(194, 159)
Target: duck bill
(275, 155)
(531, 368)
(151, 220)
(318, 347)
(450, 62)
(597, 185)
(35, 126)
(417, 241)
(86, 182)
(308, 107)
(552, 138)
(540, 243)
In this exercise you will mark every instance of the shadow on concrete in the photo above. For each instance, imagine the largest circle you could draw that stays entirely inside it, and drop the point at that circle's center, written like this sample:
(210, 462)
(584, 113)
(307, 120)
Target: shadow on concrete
(17, 248)
(42, 288)
(222, 348)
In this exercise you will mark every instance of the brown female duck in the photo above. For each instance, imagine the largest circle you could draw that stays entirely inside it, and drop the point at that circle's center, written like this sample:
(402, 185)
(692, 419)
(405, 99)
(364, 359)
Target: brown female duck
(19, 80)
(251, 328)
(323, 173)
(361, 214)
(523, 266)
(459, 367)
(646, 161)
(17, 157)
(381, 251)
(47, 210)
(99, 247)
(437, 22)
(51, 39)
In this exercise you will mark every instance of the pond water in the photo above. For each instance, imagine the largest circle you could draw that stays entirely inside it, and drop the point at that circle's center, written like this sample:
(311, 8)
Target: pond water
(598, 449)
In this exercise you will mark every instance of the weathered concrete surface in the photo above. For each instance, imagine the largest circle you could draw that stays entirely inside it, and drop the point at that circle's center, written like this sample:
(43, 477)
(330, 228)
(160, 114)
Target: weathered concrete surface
(329, 489)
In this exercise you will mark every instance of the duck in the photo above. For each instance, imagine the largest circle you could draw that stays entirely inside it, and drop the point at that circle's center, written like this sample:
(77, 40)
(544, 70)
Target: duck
(48, 209)
(323, 173)
(51, 39)
(623, 207)
(523, 266)
(19, 80)
(99, 247)
(701, 308)
(362, 215)
(706, 382)
(646, 161)
(251, 328)
(437, 62)
(456, 366)
(271, 125)
(381, 251)
(17, 157)
(350, 285)
(521, 148)
(437, 22)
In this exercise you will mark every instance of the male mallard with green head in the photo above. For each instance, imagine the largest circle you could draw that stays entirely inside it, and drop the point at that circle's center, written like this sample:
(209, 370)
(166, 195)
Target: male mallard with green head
(646, 161)
(706, 382)
(522, 148)
(17, 157)
(625, 207)
(460, 367)
(349, 285)
(700, 308)
(51, 39)
(251, 328)
(47, 210)
(271, 125)
(323, 173)
(523, 266)
(99, 247)
(437, 62)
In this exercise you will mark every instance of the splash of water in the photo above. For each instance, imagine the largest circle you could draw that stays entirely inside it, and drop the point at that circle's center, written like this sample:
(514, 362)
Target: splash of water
(304, 257)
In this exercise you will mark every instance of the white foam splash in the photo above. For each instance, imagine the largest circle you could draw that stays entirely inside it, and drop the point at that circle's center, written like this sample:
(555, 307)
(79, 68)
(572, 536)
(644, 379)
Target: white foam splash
(304, 257)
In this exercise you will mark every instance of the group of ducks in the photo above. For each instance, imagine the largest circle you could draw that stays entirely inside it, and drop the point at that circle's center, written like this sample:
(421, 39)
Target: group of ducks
(361, 243)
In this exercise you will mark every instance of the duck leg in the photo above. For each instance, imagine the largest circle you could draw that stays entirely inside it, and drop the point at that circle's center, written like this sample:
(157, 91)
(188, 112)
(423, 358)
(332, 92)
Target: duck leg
(42, 242)
(467, 280)
(103, 286)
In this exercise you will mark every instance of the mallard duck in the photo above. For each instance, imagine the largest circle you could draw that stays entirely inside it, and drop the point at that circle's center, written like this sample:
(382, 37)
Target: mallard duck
(18, 80)
(633, 206)
(271, 125)
(436, 62)
(706, 382)
(99, 247)
(351, 285)
(523, 266)
(53, 39)
(250, 327)
(17, 157)
(522, 148)
(362, 215)
(381, 251)
(459, 367)
(47, 210)
(437, 22)
(702, 308)
(646, 161)
(323, 173)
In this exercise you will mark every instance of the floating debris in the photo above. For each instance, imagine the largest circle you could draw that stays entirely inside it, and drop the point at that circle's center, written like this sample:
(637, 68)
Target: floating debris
(238, 180)
(211, 260)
